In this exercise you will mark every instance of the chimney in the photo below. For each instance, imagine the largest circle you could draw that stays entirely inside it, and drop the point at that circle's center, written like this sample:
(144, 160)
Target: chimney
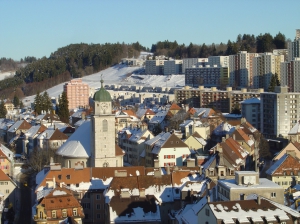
(51, 160)
(208, 197)
(258, 200)
(156, 163)
(168, 170)
(200, 170)
(227, 136)
(243, 120)
(223, 139)
(157, 172)
(54, 183)
(233, 136)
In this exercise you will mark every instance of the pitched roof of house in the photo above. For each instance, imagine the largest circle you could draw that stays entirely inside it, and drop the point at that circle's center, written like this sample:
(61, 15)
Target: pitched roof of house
(295, 146)
(287, 163)
(3, 176)
(137, 209)
(295, 130)
(24, 125)
(168, 141)
(240, 135)
(174, 106)
(61, 198)
(248, 211)
(34, 130)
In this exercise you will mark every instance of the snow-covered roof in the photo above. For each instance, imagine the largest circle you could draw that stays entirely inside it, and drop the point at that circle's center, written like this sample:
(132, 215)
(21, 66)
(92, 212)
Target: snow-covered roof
(9, 154)
(190, 215)
(274, 167)
(186, 123)
(203, 112)
(263, 183)
(224, 127)
(15, 126)
(159, 117)
(201, 141)
(32, 131)
(295, 130)
(158, 144)
(46, 134)
(78, 144)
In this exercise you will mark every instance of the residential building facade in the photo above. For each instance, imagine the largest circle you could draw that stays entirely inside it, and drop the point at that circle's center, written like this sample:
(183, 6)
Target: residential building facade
(77, 93)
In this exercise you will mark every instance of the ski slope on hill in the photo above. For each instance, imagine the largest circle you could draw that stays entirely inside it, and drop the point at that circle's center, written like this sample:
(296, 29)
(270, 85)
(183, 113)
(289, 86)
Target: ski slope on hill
(119, 75)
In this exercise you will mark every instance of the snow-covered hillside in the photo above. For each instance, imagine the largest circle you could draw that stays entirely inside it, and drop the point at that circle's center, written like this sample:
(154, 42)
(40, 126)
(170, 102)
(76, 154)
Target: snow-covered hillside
(120, 75)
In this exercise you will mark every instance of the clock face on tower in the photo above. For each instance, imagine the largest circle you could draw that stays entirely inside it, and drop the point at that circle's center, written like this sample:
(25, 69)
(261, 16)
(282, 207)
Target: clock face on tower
(104, 106)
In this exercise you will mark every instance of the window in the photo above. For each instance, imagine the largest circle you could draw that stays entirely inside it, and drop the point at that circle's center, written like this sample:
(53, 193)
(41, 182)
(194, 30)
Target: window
(68, 177)
(98, 196)
(98, 206)
(64, 213)
(273, 194)
(74, 211)
(207, 212)
(98, 216)
(7, 191)
(54, 214)
(104, 126)
(59, 177)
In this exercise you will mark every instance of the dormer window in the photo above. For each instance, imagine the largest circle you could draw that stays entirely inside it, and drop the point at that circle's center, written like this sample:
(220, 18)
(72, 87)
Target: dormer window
(68, 177)
(59, 177)
(284, 173)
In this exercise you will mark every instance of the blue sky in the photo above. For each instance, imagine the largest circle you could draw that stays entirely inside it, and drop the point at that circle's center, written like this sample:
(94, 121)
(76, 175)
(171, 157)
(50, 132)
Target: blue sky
(37, 28)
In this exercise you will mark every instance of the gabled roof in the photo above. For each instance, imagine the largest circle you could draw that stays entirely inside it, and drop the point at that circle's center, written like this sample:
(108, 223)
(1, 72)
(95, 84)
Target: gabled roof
(4, 177)
(248, 128)
(240, 135)
(119, 151)
(295, 130)
(168, 141)
(287, 163)
(24, 125)
(174, 106)
(224, 128)
(61, 198)
(159, 117)
(290, 147)
(34, 130)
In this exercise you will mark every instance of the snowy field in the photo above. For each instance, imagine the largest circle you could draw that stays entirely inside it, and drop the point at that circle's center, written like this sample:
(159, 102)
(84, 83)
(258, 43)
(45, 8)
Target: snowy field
(4, 75)
(120, 75)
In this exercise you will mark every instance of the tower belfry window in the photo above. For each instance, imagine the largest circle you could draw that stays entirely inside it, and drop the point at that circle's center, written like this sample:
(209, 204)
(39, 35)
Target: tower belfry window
(104, 126)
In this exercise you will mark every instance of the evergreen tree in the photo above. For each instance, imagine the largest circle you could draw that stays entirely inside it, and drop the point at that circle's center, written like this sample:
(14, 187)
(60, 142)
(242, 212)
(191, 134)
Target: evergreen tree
(63, 108)
(277, 80)
(272, 84)
(46, 102)
(236, 109)
(38, 103)
(21, 105)
(3, 110)
(16, 101)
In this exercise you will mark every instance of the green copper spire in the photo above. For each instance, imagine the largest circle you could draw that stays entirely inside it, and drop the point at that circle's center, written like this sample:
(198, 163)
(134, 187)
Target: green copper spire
(102, 95)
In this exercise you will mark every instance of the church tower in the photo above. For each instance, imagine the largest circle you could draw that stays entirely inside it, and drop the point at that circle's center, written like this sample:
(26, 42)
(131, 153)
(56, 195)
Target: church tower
(103, 132)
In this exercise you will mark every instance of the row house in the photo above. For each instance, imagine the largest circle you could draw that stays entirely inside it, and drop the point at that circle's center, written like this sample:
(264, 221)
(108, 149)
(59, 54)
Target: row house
(16, 129)
(59, 206)
(30, 138)
(132, 141)
(51, 139)
(167, 149)
(285, 171)
(8, 189)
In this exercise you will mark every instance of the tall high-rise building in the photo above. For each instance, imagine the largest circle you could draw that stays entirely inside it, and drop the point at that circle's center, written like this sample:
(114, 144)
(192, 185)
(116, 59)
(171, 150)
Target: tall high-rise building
(294, 47)
(190, 62)
(264, 66)
(77, 93)
(240, 69)
(290, 75)
(279, 112)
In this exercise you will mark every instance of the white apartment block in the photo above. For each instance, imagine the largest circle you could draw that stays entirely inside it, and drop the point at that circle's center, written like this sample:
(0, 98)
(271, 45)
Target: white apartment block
(240, 68)
(154, 67)
(290, 74)
(172, 67)
(250, 110)
(190, 62)
(264, 66)
(279, 112)
(220, 61)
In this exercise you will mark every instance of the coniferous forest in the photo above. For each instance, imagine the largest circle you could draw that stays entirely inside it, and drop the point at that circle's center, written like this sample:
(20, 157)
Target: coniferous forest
(78, 60)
